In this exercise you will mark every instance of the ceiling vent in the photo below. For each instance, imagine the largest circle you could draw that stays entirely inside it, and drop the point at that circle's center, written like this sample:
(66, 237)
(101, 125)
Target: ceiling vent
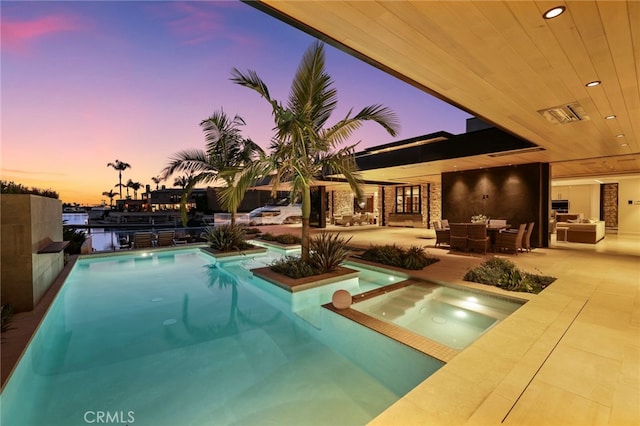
(563, 114)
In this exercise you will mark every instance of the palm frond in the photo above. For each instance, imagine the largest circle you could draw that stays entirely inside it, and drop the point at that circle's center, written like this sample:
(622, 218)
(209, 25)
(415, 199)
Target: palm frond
(312, 98)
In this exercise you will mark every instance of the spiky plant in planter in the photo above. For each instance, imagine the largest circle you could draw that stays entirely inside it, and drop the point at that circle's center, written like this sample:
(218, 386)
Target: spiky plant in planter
(327, 252)
(227, 238)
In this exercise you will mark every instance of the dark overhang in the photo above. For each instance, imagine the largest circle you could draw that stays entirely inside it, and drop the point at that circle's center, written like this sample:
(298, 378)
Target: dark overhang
(440, 146)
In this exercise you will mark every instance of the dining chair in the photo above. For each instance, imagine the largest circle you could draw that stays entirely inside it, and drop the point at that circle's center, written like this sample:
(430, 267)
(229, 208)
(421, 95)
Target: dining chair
(526, 239)
(443, 236)
(498, 223)
(510, 240)
(458, 236)
(477, 238)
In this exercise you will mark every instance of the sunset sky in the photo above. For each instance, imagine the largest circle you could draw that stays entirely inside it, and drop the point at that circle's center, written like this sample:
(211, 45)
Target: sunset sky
(86, 83)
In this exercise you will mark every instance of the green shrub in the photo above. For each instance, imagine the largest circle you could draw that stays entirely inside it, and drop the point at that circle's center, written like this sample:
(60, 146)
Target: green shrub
(281, 238)
(251, 230)
(75, 237)
(505, 274)
(227, 238)
(6, 314)
(10, 187)
(293, 267)
(327, 251)
(413, 258)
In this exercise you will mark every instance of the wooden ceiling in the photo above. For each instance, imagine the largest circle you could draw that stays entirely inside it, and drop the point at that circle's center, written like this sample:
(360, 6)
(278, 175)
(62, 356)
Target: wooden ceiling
(502, 62)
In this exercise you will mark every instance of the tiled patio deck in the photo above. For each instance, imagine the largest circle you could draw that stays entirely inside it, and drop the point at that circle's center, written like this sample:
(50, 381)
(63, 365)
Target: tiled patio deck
(570, 356)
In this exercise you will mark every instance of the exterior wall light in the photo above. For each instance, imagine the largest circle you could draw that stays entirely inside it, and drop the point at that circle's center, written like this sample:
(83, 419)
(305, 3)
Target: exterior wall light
(554, 12)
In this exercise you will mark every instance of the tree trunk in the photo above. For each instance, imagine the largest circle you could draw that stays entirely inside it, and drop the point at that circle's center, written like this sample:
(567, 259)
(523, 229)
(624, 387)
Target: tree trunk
(306, 214)
(233, 217)
(183, 203)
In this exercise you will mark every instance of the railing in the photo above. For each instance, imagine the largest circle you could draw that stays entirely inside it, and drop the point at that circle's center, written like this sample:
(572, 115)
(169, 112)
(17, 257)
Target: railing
(112, 239)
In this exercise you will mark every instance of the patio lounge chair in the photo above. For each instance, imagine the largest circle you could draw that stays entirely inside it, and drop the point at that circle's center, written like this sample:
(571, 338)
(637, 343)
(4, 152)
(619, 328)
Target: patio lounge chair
(142, 239)
(344, 220)
(166, 238)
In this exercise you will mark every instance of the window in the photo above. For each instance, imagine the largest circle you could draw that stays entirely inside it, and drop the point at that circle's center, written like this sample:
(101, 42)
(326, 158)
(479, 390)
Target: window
(408, 199)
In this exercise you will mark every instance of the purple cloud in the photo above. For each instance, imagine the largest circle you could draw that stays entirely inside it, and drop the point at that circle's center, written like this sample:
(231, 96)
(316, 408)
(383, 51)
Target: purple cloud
(194, 23)
(19, 36)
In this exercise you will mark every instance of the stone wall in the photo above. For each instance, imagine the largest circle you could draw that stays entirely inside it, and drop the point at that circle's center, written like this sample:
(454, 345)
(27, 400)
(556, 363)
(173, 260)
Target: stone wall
(342, 202)
(435, 195)
(610, 204)
(29, 223)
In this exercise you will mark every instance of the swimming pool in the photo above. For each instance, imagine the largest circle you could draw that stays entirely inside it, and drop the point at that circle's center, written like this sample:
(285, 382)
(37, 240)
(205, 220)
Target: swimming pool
(170, 338)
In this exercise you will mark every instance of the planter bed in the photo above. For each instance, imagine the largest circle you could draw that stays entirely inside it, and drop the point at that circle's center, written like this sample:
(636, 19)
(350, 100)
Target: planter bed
(294, 285)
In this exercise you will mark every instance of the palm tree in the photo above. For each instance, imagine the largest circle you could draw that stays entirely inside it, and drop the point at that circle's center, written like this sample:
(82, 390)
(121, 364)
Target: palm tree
(157, 180)
(119, 166)
(110, 194)
(182, 181)
(122, 185)
(135, 186)
(226, 153)
(303, 149)
(187, 183)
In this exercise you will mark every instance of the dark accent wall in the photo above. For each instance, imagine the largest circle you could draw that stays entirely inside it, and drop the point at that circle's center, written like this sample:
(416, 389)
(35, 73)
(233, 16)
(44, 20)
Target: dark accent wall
(318, 215)
(519, 194)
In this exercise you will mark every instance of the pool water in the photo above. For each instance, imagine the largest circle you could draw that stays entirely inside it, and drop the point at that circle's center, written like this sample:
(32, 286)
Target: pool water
(172, 338)
(370, 279)
(449, 316)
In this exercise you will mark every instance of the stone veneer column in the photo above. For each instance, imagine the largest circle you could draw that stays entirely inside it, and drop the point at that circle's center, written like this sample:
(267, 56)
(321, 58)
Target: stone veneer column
(610, 204)
(436, 202)
(343, 202)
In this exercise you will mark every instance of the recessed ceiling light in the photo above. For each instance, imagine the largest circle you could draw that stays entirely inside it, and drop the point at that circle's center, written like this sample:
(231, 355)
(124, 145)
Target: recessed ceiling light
(610, 117)
(624, 144)
(554, 12)
(593, 83)
(620, 135)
